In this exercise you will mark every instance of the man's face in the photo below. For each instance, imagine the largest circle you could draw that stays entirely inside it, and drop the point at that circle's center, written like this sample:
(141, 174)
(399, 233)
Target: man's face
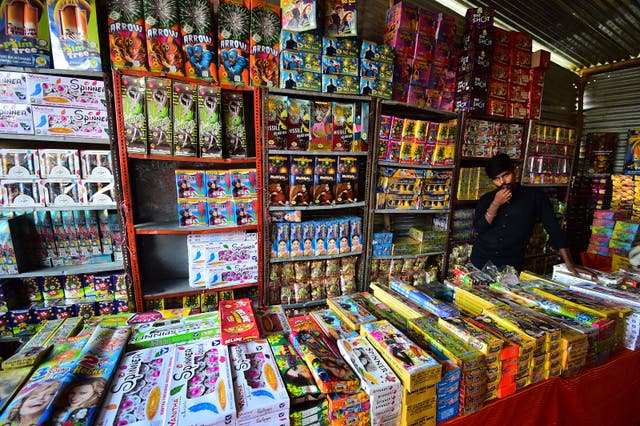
(504, 179)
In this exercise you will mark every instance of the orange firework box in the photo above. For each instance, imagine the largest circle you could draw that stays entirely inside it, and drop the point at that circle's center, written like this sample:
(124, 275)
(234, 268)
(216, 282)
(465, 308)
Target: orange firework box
(164, 41)
(233, 42)
(127, 38)
(237, 322)
(265, 44)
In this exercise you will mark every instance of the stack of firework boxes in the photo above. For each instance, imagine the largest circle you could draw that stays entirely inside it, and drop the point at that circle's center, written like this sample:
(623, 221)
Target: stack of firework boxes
(494, 71)
(340, 65)
(301, 60)
(424, 71)
(376, 69)
(611, 235)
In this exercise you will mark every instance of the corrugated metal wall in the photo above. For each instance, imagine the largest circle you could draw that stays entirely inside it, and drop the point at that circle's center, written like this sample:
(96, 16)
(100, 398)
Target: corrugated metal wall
(612, 104)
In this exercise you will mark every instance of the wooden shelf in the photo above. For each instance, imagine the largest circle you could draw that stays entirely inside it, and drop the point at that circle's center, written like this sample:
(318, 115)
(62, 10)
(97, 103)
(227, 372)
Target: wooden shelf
(87, 268)
(61, 139)
(414, 166)
(316, 153)
(317, 208)
(407, 211)
(304, 258)
(180, 287)
(192, 159)
(407, 256)
(27, 209)
(167, 228)
(69, 73)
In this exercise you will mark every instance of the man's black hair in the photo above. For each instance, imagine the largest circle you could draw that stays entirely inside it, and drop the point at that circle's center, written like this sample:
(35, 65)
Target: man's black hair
(497, 164)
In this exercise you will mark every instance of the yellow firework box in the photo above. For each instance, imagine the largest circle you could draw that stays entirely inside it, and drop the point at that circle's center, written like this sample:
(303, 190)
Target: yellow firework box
(415, 368)
(258, 386)
(201, 377)
(419, 407)
(395, 303)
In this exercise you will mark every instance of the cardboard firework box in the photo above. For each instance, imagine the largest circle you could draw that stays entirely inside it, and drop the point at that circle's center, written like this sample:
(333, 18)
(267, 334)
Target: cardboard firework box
(185, 120)
(233, 42)
(73, 27)
(377, 379)
(259, 388)
(340, 19)
(164, 40)
(299, 15)
(233, 117)
(209, 122)
(347, 180)
(265, 44)
(25, 28)
(160, 131)
(201, 378)
(277, 121)
(127, 36)
(278, 180)
(272, 320)
(238, 323)
(298, 124)
(134, 108)
(415, 368)
(331, 325)
(199, 39)
(301, 180)
(343, 116)
(321, 126)
(324, 180)
(350, 311)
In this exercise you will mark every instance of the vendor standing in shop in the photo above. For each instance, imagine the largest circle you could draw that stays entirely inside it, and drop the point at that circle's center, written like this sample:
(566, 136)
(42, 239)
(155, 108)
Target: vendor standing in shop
(505, 217)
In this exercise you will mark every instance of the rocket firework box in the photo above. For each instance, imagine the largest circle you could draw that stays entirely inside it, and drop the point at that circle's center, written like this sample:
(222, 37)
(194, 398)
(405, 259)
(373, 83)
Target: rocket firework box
(415, 368)
(265, 44)
(164, 40)
(127, 37)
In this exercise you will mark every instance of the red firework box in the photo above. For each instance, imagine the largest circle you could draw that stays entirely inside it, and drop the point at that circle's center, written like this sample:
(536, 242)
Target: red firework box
(233, 42)
(265, 44)
(198, 39)
(127, 38)
(164, 40)
(237, 322)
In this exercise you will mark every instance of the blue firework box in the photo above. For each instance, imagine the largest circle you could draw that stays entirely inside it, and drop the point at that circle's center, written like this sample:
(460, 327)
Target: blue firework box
(300, 80)
(377, 52)
(299, 60)
(343, 84)
(308, 41)
(340, 46)
(375, 87)
(377, 69)
(345, 65)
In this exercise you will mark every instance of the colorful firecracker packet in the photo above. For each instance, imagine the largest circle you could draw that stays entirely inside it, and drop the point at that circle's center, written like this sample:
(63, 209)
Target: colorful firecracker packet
(331, 325)
(330, 371)
(139, 392)
(258, 386)
(350, 311)
(376, 378)
(201, 390)
(176, 330)
(414, 367)
(272, 320)
(238, 323)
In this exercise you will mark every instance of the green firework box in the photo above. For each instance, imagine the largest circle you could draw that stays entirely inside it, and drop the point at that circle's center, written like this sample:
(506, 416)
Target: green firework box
(209, 122)
(127, 37)
(73, 27)
(185, 121)
(264, 44)
(24, 38)
(164, 39)
(235, 135)
(134, 111)
(233, 42)
(199, 39)
(160, 131)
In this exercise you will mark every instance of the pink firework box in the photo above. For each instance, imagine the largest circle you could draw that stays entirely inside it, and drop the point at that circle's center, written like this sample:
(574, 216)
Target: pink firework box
(220, 212)
(71, 92)
(139, 391)
(97, 191)
(21, 193)
(190, 184)
(217, 184)
(201, 389)
(59, 163)
(20, 163)
(13, 88)
(192, 212)
(402, 16)
(70, 122)
(96, 164)
(16, 118)
(258, 385)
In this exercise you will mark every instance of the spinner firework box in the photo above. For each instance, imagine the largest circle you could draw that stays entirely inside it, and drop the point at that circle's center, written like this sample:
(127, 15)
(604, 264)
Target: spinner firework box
(259, 389)
(234, 130)
(176, 330)
(209, 121)
(277, 121)
(415, 367)
(164, 40)
(272, 320)
(265, 44)
(134, 108)
(127, 36)
(234, 20)
(139, 392)
(198, 39)
(350, 311)
(16, 118)
(323, 360)
(377, 379)
(25, 28)
(158, 103)
(238, 324)
(13, 87)
(331, 325)
(73, 28)
(185, 119)
(69, 92)
(201, 389)
(70, 122)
